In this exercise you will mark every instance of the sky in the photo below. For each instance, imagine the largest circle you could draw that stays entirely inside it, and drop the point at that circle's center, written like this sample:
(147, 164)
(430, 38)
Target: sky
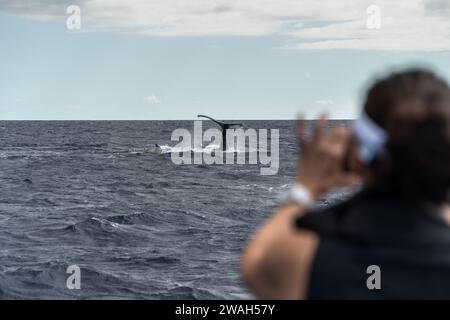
(230, 59)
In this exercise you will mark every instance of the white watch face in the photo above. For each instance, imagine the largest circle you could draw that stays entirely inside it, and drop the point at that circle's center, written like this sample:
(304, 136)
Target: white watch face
(300, 195)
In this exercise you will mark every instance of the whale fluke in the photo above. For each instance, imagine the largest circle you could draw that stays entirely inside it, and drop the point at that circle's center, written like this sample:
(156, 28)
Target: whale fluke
(224, 126)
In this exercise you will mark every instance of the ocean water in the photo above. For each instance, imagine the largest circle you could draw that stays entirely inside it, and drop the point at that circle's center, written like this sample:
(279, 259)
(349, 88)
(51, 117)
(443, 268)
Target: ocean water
(99, 195)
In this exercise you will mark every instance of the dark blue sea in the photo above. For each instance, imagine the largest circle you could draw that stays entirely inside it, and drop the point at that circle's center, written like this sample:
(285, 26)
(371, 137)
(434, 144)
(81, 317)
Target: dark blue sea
(98, 194)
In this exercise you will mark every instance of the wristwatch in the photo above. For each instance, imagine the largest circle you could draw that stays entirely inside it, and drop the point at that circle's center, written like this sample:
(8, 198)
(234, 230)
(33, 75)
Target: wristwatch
(300, 195)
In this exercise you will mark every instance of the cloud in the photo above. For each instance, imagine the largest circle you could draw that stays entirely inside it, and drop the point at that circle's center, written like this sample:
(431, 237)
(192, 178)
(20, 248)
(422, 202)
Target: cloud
(325, 102)
(152, 99)
(437, 6)
(419, 25)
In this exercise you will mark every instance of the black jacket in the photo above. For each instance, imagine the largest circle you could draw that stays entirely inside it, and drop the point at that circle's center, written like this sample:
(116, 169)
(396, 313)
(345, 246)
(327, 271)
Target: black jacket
(409, 243)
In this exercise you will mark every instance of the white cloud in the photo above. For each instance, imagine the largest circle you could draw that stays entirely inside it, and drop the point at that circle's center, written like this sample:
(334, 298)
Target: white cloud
(325, 102)
(420, 25)
(152, 99)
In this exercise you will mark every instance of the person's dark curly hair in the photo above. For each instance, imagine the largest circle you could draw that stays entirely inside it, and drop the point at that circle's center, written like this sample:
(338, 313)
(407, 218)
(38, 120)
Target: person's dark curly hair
(414, 108)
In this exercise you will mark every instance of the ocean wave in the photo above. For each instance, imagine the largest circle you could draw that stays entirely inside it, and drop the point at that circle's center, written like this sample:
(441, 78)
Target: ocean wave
(208, 149)
(85, 145)
(152, 261)
(47, 280)
(28, 154)
(133, 218)
(185, 292)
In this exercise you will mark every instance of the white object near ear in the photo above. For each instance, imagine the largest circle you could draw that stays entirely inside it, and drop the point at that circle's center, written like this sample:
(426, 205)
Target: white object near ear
(371, 138)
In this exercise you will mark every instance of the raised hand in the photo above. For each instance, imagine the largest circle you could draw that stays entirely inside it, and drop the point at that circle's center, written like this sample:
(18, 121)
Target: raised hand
(321, 156)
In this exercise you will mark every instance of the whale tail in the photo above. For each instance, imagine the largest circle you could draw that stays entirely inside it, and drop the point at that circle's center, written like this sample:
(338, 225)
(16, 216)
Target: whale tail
(224, 126)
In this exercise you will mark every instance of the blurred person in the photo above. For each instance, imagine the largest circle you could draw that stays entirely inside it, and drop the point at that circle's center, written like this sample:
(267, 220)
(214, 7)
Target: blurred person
(399, 150)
